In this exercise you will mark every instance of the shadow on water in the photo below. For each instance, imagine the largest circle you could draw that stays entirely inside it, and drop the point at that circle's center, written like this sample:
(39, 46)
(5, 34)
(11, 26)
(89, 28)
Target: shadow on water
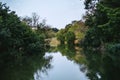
(102, 66)
(24, 67)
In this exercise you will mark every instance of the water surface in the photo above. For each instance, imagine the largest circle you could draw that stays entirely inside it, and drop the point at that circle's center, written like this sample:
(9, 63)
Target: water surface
(63, 63)
(62, 69)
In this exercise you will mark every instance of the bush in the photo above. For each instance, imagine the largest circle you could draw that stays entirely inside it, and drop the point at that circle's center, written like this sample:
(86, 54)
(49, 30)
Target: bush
(70, 37)
(16, 36)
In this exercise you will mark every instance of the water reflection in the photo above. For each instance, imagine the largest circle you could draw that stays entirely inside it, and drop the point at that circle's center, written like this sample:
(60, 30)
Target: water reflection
(68, 64)
(64, 62)
(102, 66)
(96, 64)
(24, 68)
(63, 69)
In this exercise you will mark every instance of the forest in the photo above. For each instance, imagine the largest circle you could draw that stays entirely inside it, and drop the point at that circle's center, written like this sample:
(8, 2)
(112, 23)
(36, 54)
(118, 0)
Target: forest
(97, 34)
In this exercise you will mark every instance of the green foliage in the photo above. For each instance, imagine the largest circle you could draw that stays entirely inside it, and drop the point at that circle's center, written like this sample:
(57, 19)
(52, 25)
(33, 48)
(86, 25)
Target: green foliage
(70, 37)
(78, 28)
(55, 29)
(61, 36)
(74, 31)
(114, 50)
(40, 27)
(17, 38)
(103, 19)
(103, 22)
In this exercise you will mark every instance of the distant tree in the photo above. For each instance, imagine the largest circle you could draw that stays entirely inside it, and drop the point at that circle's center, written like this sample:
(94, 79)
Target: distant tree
(61, 36)
(69, 37)
(27, 20)
(55, 29)
(73, 32)
(35, 19)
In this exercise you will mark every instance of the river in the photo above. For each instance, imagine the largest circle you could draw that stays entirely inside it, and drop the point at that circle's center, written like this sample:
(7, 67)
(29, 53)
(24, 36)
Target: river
(63, 63)
(62, 69)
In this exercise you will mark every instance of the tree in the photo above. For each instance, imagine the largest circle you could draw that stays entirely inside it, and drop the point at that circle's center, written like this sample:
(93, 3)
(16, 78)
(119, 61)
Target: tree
(17, 38)
(61, 36)
(35, 19)
(73, 32)
(70, 37)
(27, 20)
(103, 22)
(55, 29)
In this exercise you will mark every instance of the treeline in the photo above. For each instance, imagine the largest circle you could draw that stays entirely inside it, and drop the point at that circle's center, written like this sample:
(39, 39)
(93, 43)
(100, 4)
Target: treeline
(41, 27)
(73, 33)
(103, 35)
(100, 29)
(103, 20)
(17, 36)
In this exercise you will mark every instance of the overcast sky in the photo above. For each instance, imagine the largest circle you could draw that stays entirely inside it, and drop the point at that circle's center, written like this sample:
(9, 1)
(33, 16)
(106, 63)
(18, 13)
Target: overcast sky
(58, 13)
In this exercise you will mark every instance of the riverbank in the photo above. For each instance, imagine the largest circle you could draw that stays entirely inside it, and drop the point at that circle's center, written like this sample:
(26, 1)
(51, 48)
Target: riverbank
(54, 42)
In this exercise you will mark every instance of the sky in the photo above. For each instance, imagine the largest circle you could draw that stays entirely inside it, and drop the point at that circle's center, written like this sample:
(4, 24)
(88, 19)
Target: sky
(57, 13)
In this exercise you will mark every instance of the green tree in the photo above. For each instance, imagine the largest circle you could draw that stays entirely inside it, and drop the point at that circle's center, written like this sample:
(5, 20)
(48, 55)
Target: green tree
(74, 32)
(103, 20)
(70, 37)
(61, 36)
(17, 38)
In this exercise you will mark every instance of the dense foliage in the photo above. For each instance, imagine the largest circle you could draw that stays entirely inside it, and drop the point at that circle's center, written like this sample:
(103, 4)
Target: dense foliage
(61, 36)
(103, 19)
(70, 37)
(17, 38)
(73, 31)
(39, 26)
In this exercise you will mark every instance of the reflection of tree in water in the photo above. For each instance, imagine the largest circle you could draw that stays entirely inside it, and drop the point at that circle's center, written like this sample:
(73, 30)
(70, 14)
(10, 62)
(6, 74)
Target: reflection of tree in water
(96, 65)
(74, 53)
(52, 49)
(67, 50)
(41, 71)
(102, 66)
(25, 68)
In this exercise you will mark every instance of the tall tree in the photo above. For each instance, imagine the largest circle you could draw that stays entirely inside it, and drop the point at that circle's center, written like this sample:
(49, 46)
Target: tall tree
(103, 22)
(35, 19)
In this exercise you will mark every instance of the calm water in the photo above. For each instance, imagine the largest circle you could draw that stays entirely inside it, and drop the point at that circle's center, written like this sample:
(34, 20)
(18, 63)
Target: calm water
(62, 69)
(63, 63)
